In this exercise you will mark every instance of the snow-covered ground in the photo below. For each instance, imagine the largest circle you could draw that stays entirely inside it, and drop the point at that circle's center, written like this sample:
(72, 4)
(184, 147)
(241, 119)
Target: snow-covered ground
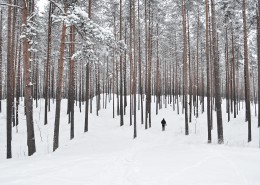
(108, 155)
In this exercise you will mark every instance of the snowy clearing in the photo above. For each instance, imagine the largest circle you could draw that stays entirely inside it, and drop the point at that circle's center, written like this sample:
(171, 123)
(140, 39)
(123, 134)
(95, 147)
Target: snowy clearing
(108, 155)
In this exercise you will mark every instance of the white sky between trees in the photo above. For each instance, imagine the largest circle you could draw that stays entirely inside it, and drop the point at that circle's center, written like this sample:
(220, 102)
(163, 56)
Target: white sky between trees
(41, 4)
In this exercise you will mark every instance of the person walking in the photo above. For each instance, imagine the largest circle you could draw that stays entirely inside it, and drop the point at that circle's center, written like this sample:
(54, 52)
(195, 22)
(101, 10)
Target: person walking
(163, 122)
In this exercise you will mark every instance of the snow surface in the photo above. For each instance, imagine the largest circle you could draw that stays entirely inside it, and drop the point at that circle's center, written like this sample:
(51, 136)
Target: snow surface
(108, 155)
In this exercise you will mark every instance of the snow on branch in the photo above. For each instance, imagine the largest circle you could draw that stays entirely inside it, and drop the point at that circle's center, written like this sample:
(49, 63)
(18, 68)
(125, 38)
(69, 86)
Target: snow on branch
(5, 4)
(57, 5)
(90, 32)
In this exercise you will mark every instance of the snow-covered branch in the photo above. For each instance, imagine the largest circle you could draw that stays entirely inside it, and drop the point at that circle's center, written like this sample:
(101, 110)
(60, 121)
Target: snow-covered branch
(5, 4)
(57, 5)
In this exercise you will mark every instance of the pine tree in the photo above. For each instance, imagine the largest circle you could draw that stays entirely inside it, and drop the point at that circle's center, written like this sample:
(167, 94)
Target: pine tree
(217, 75)
(121, 68)
(246, 73)
(1, 57)
(185, 65)
(9, 102)
(28, 82)
(47, 67)
(258, 57)
(59, 84)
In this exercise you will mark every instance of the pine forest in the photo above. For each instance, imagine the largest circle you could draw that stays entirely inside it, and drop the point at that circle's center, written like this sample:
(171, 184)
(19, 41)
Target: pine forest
(65, 64)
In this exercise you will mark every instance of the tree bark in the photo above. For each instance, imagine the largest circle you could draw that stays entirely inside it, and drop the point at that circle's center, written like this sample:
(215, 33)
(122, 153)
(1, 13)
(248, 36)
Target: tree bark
(246, 74)
(59, 86)
(9, 86)
(185, 66)
(28, 83)
(121, 69)
(217, 76)
(72, 81)
(1, 55)
(258, 58)
(47, 84)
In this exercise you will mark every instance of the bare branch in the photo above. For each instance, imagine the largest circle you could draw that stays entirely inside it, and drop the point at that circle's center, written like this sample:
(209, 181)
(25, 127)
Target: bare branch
(5, 4)
(51, 1)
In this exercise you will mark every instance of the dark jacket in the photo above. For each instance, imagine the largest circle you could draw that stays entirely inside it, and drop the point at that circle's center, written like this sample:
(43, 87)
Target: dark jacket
(163, 122)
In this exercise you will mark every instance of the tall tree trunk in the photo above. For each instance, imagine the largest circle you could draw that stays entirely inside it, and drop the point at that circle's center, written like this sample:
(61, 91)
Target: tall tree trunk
(72, 80)
(121, 68)
(13, 57)
(89, 8)
(234, 74)
(131, 58)
(125, 74)
(176, 74)
(47, 86)
(28, 84)
(59, 86)
(190, 68)
(149, 70)
(140, 63)
(208, 72)
(9, 86)
(217, 76)
(134, 70)
(18, 83)
(246, 74)
(146, 65)
(87, 98)
(197, 83)
(87, 82)
(227, 77)
(258, 58)
(1, 59)
(157, 72)
(185, 66)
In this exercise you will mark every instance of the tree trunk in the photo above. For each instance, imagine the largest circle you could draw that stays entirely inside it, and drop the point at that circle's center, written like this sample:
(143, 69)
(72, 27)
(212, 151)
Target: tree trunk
(246, 74)
(190, 72)
(59, 87)
(258, 58)
(72, 81)
(87, 98)
(185, 66)
(13, 57)
(28, 83)
(47, 86)
(18, 83)
(121, 69)
(134, 70)
(208, 72)
(234, 74)
(9, 86)
(1, 55)
(217, 76)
